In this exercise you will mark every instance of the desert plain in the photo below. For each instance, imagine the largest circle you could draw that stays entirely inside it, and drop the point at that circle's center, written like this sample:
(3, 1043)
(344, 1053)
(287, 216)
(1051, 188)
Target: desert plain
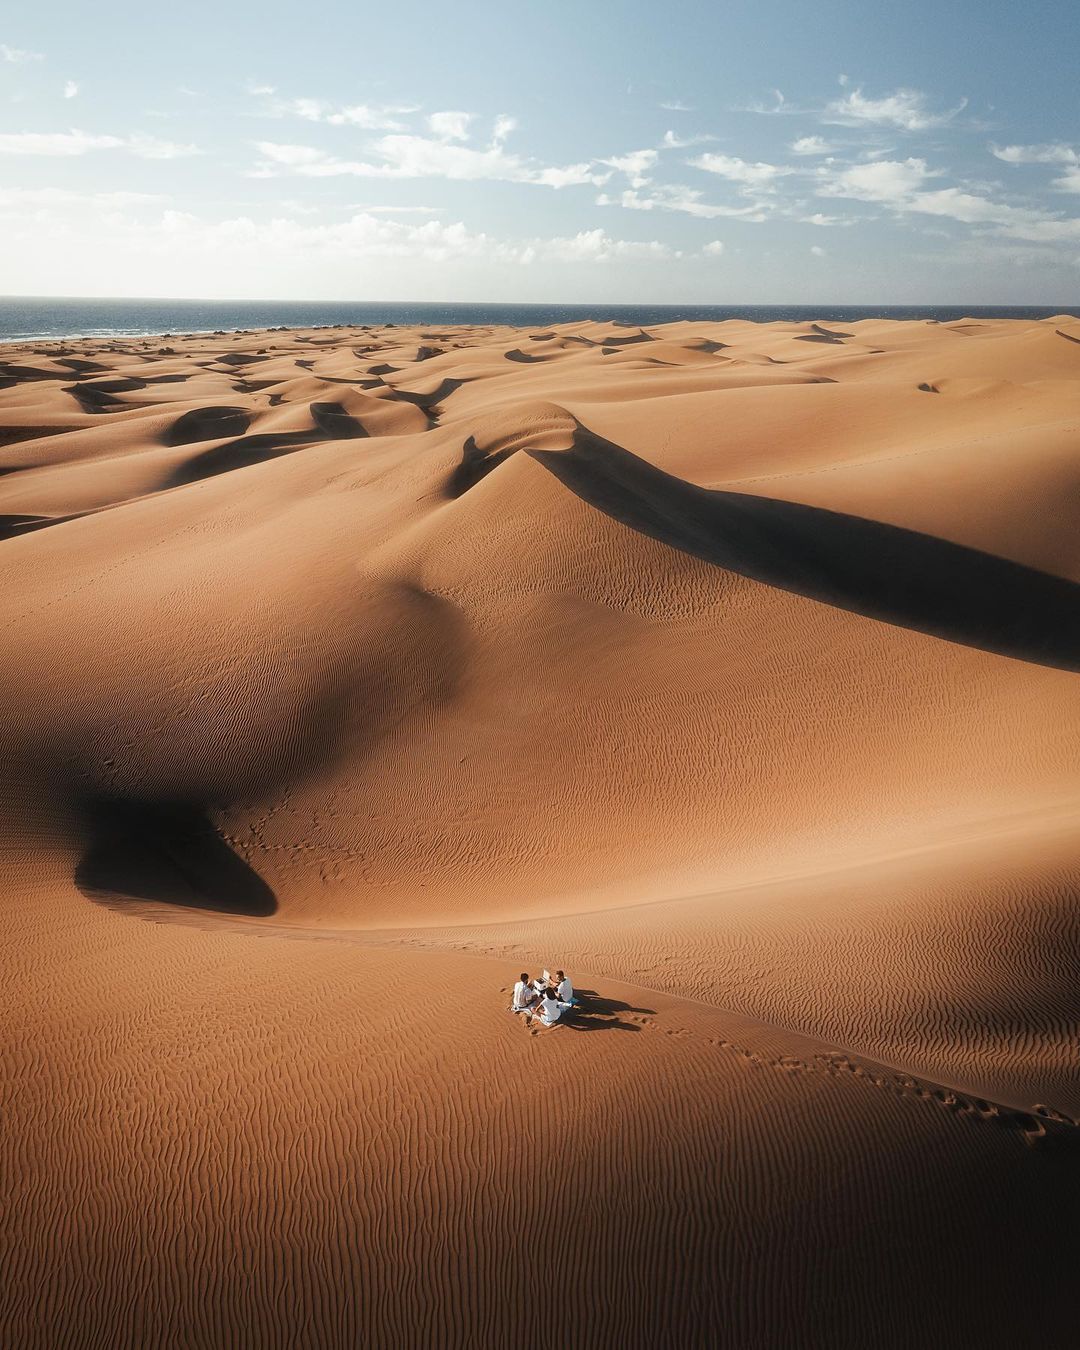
(731, 667)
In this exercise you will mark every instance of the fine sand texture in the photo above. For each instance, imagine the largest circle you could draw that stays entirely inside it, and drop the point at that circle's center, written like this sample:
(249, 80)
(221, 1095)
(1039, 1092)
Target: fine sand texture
(348, 672)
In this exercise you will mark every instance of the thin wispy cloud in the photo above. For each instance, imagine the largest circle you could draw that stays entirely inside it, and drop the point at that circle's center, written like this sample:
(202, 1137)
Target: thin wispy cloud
(637, 165)
(779, 107)
(450, 126)
(1057, 153)
(811, 145)
(365, 116)
(18, 56)
(907, 109)
(363, 236)
(687, 201)
(754, 175)
(413, 156)
(676, 105)
(71, 89)
(673, 141)
(64, 144)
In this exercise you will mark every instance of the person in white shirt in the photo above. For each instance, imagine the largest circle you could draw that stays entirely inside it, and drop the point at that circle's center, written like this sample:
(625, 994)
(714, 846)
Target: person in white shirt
(549, 1010)
(524, 995)
(564, 990)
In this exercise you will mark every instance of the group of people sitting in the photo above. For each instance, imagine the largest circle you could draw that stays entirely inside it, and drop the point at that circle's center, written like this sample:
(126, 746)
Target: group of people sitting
(545, 998)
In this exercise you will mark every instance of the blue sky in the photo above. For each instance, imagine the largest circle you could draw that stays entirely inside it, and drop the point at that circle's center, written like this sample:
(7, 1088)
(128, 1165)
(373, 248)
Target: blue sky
(798, 151)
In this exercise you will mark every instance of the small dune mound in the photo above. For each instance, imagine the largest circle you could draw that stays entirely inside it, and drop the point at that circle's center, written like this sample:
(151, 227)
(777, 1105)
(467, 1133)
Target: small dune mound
(208, 424)
(334, 421)
(240, 358)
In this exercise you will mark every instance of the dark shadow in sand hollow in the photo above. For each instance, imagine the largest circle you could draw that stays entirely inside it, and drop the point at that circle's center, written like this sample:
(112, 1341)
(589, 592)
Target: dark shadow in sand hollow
(169, 853)
(239, 454)
(475, 465)
(332, 423)
(208, 424)
(427, 403)
(884, 572)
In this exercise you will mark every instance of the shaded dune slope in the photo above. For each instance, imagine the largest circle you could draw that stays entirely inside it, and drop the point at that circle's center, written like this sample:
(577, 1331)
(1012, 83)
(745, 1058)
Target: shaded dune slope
(896, 575)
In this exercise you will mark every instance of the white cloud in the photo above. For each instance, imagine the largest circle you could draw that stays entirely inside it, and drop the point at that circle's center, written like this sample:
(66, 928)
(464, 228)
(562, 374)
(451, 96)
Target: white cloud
(901, 186)
(673, 141)
(70, 89)
(819, 218)
(18, 56)
(736, 170)
(569, 175)
(368, 117)
(1069, 181)
(55, 143)
(408, 156)
(68, 143)
(1055, 153)
(713, 248)
(178, 235)
(151, 147)
(598, 246)
(504, 125)
(450, 126)
(291, 156)
(684, 199)
(885, 180)
(906, 108)
(636, 165)
(817, 250)
(780, 107)
(257, 90)
(811, 145)
(676, 105)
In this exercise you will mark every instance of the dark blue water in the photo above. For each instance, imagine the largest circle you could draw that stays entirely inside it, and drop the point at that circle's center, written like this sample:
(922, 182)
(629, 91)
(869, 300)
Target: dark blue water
(29, 318)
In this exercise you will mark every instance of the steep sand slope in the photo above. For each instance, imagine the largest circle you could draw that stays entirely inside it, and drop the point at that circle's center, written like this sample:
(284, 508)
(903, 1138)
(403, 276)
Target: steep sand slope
(735, 665)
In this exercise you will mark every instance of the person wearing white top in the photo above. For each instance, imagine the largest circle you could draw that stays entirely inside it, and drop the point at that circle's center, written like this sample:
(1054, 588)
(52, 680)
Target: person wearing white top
(550, 1010)
(524, 995)
(564, 990)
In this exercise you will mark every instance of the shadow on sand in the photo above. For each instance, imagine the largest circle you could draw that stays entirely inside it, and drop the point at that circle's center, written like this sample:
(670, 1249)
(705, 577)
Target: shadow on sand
(597, 1013)
(882, 571)
(166, 853)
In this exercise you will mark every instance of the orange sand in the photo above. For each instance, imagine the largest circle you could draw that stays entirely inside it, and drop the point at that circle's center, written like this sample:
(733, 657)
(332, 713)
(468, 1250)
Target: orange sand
(348, 672)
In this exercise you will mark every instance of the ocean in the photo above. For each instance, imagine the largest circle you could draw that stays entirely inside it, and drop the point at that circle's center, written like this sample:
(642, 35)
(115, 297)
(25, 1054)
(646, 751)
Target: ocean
(34, 318)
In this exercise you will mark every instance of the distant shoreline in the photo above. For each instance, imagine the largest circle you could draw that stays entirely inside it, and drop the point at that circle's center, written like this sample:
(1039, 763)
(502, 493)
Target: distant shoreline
(38, 319)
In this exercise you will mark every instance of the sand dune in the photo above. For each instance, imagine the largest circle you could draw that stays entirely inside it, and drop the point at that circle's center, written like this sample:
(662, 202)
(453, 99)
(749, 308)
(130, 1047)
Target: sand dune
(732, 667)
